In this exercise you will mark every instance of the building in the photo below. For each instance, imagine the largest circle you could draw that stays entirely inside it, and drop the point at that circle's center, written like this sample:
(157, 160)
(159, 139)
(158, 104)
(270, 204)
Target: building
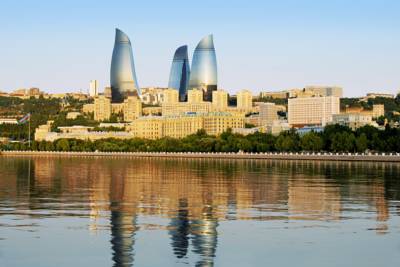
(375, 95)
(155, 127)
(8, 121)
(73, 115)
(253, 119)
(203, 74)
(171, 96)
(353, 120)
(154, 111)
(44, 133)
(180, 72)
(377, 111)
(102, 108)
(122, 74)
(244, 100)
(311, 91)
(277, 126)
(107, 92)
(152, 95)
(220, 100)
(268, 113)
(88, 108)
(93, 88)
(174, 109)
(275, 95)
(312, 110)
(195, 96)
(132, 108)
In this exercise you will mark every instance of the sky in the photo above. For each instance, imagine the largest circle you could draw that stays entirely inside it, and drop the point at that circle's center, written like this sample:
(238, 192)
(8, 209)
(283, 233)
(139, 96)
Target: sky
(261, 45)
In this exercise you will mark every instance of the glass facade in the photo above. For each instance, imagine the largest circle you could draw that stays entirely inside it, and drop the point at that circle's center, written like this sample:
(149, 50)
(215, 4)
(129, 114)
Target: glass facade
(180, 72)
(122, 75)
(204, 68)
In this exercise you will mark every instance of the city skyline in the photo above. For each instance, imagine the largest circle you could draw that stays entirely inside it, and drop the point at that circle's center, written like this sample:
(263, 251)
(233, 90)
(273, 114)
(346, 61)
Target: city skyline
(274, 46)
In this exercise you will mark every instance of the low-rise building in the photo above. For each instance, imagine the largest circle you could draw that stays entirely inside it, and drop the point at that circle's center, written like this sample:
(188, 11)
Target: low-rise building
(275, 95)
(213, 123)
(353, 120)
(73, 115)
(277, 126)
(376, 111)
(8, 121)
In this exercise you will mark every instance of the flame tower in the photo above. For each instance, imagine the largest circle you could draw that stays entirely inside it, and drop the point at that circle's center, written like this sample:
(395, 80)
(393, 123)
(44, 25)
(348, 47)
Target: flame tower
(122, 74)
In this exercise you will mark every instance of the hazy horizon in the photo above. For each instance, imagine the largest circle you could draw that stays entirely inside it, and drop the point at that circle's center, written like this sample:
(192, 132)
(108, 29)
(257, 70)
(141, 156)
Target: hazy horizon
(260, 45)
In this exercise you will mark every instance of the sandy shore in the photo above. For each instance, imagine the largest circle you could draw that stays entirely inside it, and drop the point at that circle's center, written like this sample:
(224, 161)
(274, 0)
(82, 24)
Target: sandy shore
(374, 157)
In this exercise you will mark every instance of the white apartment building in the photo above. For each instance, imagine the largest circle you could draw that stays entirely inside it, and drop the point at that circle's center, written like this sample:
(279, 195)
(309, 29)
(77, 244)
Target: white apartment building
(312, 110)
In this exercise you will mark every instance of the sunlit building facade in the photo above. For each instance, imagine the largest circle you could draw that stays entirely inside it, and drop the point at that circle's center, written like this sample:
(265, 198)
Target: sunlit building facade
(122, 74)
(204, 68)
(180, 72)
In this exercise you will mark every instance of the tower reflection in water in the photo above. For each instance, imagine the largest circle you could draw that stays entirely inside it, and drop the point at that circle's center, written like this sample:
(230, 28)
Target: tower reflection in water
(195, 195)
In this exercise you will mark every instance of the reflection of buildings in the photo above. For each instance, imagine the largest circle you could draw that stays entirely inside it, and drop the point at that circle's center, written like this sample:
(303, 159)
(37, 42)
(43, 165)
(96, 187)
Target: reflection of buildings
(196, 195)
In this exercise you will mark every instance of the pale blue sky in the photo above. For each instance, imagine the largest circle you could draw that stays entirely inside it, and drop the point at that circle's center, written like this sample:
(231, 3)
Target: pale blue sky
(261, 45)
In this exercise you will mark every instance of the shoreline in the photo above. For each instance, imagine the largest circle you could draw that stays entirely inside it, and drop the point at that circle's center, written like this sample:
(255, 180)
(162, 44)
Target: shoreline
(383, 157)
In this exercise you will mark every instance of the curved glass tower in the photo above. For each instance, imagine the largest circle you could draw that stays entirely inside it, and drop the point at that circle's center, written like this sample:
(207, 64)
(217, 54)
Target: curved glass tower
(122, 75)
(204, 67)
(180, 72)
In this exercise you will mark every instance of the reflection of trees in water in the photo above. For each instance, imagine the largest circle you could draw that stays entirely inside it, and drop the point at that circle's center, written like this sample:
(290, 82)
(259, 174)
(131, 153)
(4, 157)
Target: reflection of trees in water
(180, 230)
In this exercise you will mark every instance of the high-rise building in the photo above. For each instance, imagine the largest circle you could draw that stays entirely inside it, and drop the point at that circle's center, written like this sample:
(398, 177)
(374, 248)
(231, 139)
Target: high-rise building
(180, 72)
(102, 108)
(93, 88)
(195, 96)
(122, 75)
(132, 108)
(268, 113)
(312, 110)
(204, 68)
(220, 100)
(107, 92)
(171, 96)
(244, 100)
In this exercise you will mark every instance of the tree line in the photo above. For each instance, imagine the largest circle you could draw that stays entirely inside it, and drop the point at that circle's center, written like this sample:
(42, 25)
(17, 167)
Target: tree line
(334, 138)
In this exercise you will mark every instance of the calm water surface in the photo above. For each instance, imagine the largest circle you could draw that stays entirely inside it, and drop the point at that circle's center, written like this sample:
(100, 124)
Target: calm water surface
(60, 211)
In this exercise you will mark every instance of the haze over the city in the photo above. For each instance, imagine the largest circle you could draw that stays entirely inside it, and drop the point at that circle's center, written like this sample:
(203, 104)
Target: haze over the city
(260, 45)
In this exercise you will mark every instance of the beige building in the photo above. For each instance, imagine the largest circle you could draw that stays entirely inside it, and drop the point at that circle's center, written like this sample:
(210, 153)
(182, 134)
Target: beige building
(195, 96)
(153, 95)
(268, 113)
(43, 133)
(220, 100)
(102, 108)
(244, 100)
(312, 110)
(213, 123)
(132, 108)
(171, 96)
(275, 95)
(377, 111)
(88, 108)
(313, 91)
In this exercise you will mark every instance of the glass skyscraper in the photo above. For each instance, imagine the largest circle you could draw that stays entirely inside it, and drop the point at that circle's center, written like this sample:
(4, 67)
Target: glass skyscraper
(122, 75)
(204, 67)
(180, 72)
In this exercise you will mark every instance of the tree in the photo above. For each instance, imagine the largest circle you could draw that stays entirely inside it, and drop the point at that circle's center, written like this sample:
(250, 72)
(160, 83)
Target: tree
(311, 142)
(362, 143)
(62, 145)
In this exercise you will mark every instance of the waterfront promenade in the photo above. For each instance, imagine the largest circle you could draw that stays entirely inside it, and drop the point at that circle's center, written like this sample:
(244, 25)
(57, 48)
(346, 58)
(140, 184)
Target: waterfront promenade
(371, 157)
